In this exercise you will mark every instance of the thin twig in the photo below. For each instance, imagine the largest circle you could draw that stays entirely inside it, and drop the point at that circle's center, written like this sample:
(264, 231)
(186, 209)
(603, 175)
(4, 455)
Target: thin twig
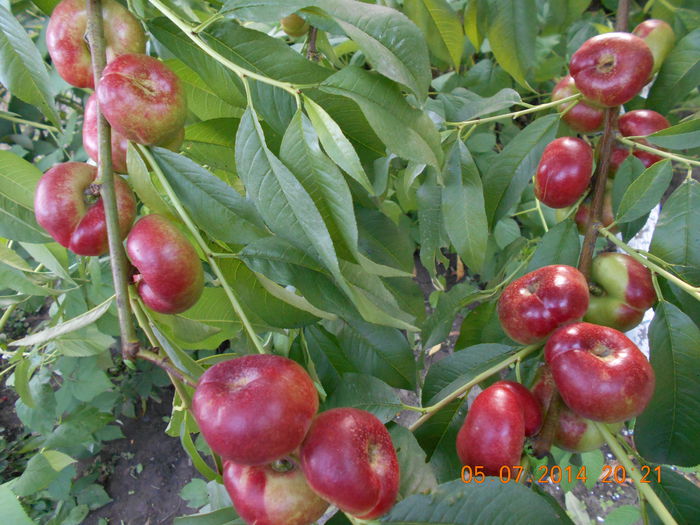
(164, 363)
(105, 176)
(311, 51)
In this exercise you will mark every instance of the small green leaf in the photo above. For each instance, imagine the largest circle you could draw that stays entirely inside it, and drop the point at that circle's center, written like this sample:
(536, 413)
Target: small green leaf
(685, 135)
(441, 28)
(416, 473)
(645, 192)
(22, 374)
(560, 245)
(12, 510)
(366, 393)
(462, 104)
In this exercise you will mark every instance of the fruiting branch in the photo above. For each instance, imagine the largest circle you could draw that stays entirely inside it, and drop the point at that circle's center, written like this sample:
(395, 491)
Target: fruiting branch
(431, 410)
(211, 258)
(516, 114)
(105, 176)
(644, 488)
(661, 153)
(692, 290)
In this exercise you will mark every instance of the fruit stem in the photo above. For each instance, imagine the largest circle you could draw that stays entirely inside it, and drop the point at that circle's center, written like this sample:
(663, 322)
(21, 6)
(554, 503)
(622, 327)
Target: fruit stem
(193, 35)
(692, 290)
(600, 178)
(661, 153)
(204, 247)
(644, 488)
(515, 114)
(105, 176)
(431, 410)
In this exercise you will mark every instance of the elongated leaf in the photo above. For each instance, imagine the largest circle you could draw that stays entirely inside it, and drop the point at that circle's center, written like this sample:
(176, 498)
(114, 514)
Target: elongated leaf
(676, 237)
(177, 355)
(667, 430)
(512, 170)
(336, 145)
(12, 511)
(462, 104)
(405, 130)
(40, 471)
(84, 342)
(81, 321)
(18, 180)
(140, 179)
(366, 393)
(431, 222)
(463, 207)
(437, 327)
(645, 192)
(215, 206)
(22, 374)
(685, 135)
(22, 70)
(416, 474)
(459, 368)
(441, 28)
(679, 74)
(211, 142)
(437, 437)
(512, 29)
(218, 517)
(679, 495)
(457, 503)
(560, 245)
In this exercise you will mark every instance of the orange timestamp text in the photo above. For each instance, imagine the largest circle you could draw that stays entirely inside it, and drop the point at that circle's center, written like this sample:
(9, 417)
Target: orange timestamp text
(556, 474)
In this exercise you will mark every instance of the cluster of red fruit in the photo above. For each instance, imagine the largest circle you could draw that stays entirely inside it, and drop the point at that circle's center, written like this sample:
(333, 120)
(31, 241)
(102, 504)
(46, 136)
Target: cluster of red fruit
(608, 70)
(600, 373)
(283, 463)
(144, 102)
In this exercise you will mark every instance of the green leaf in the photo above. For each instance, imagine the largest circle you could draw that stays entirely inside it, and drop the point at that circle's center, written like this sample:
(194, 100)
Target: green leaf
(679, 495)
(40, 471)
(52, 332)
(437, 327)
(462, 104)
(366, 393)
(510, 173)
(12, 509)
(441, 28)
(560, 245)
(22, 374)
(335, 143)
(645, 192)
(512, 31)
(667, 430)
(455, 370)
(84, 342)
(685, 135)
(457, 503)
(18, 180)
(22, 70)
(379, 351)
(437, 437)
(225, 516)
(404, 129)
(140, 179)
(475, 22)
(679, 74)
(463, 207)
(416, 474)
(214, 205)
(177, 355)
(211, 143)
(431, 221)
(676, 237)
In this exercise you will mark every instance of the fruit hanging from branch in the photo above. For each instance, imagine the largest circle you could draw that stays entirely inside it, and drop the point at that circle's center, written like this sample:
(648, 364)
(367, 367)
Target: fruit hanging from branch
(581, 115)
(564, 172)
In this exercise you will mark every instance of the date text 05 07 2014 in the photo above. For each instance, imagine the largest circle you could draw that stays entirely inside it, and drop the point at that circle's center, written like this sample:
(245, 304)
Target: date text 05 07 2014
(556, 474)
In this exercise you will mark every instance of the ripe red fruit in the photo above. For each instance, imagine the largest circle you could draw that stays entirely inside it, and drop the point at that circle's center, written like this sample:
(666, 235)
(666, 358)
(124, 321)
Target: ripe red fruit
(170, 278)
(69, 51)
(119, 141)
(294, 25)
(582, 117)
(61, 209)
(610, 69)
(641, 122)
(536, 304)
(617, 157)
(601, 374)
(621, 291)
(493, 433)
(348, 459)
(142, 99)
(573, 433)
(275, 494)
(660, 38)
(254, 409)
(564, 172)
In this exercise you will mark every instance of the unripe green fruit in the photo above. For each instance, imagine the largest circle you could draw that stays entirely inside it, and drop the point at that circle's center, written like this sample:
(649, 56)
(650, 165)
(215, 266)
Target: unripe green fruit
(294, 25)
(660, 38)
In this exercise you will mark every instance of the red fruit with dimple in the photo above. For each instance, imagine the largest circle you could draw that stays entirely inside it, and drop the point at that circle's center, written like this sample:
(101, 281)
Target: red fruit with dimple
(254, 409)
(642, 122)
(564, 172)
(170, 278)
(142, 99)
(68, 48)
(536, 304)
(348, 459)
(493, 433)
(275, 494)
(61, 209)
(601, 374)
(610, 69)
(582, 117)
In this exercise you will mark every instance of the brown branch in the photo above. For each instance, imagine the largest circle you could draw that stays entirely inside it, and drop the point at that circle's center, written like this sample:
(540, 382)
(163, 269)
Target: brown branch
(542, 443)
(105, 176)
(623, 11)
(311, 51)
